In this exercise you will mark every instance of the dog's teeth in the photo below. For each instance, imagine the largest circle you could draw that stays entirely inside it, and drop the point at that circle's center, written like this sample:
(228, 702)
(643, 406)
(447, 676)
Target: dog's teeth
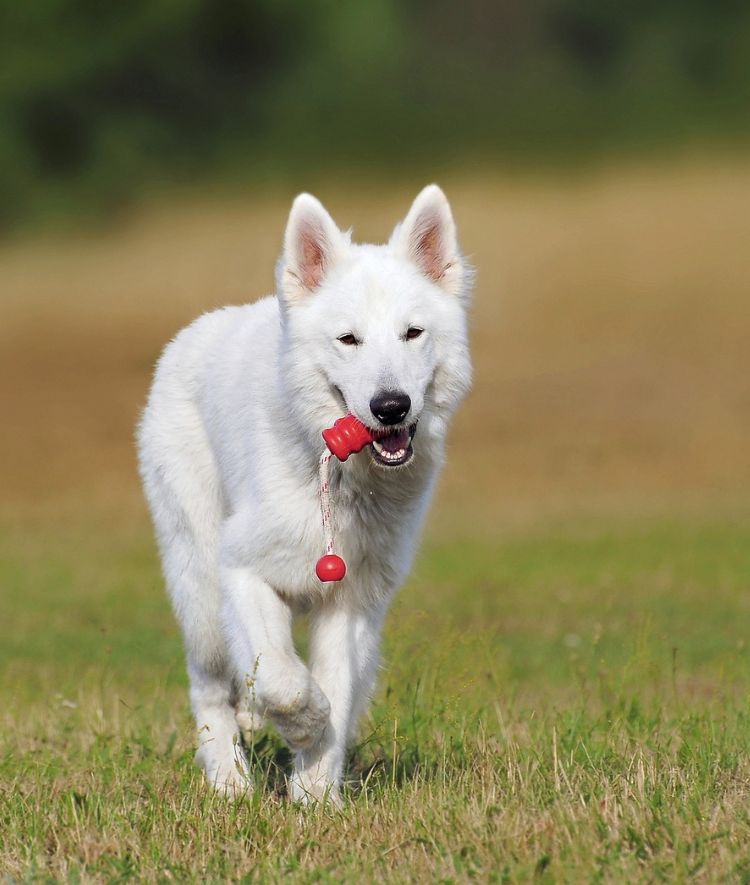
(387, 455)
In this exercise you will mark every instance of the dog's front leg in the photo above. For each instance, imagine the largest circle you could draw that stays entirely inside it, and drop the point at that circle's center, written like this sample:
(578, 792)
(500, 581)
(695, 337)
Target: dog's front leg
(258, 625)
(344, 643)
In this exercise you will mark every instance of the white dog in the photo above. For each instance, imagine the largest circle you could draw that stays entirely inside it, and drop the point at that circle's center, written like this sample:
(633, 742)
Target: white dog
(229, 447)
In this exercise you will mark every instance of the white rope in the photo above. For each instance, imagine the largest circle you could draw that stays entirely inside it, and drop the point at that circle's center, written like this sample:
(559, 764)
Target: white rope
(326, 507)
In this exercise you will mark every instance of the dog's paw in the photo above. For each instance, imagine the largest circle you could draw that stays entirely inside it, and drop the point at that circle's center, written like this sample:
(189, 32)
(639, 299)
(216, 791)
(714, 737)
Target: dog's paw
(227, 776)
(301, 721)
(309, 791)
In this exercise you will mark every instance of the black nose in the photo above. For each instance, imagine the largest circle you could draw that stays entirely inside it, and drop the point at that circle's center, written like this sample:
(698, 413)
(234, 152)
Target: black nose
(390, 407)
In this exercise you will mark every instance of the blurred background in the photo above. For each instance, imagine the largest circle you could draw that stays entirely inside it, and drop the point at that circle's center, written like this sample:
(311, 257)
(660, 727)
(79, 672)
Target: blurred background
(596, 158)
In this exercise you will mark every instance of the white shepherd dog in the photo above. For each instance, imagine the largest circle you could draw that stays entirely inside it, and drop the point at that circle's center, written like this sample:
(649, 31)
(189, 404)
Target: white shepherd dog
(229, 447)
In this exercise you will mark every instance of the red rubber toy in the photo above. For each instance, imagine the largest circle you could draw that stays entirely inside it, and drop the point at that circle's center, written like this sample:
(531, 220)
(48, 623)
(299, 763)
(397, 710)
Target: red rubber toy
(347, 437)
(330, 568)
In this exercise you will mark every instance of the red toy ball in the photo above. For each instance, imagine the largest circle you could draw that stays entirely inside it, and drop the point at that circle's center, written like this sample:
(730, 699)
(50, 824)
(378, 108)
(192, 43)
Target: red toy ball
(330, 568)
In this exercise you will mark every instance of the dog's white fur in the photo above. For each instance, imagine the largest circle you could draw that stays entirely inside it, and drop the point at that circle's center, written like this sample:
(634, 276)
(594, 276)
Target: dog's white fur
(229, 445)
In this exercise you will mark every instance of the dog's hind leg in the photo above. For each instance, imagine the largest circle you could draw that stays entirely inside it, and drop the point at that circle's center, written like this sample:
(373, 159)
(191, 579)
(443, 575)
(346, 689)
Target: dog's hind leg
(193, 586)
(186, 505)
(214, 694)
(220, 753)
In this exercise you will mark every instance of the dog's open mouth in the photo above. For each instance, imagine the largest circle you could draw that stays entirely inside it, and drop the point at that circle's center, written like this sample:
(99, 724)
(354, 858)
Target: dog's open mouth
(393, 448)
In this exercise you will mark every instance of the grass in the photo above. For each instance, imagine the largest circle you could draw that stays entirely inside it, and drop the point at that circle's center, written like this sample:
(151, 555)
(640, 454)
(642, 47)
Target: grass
(567, 705)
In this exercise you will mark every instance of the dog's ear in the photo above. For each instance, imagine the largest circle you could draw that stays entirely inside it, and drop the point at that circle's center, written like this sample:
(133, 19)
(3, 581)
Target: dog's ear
(427, 236)
(312, 245)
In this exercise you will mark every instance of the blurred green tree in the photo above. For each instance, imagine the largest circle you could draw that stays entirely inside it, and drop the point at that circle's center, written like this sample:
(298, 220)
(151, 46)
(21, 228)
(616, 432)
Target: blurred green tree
(99, 100)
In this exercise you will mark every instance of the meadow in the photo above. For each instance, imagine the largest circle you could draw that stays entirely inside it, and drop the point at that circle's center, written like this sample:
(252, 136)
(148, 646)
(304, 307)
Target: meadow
(566, 673)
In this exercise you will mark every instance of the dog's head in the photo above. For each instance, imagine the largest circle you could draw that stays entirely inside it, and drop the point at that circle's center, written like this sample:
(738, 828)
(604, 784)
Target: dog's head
(378, 331)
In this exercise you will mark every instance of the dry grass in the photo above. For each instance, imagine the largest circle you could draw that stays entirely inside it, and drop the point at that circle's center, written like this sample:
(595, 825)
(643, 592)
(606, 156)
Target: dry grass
(501, 810)
(567, 707)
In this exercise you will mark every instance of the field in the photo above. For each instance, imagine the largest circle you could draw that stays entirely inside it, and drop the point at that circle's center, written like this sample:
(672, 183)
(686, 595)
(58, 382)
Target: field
(564, 695)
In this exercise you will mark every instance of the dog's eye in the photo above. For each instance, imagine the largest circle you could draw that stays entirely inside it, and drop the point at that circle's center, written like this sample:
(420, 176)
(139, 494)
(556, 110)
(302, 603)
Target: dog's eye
(348, 339)
(413, 332)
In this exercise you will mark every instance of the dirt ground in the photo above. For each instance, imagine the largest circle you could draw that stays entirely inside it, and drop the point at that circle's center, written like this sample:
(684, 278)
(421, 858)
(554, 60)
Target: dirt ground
(611, 334)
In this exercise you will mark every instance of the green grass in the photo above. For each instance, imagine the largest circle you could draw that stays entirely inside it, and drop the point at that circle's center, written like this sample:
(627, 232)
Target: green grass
(568, 705)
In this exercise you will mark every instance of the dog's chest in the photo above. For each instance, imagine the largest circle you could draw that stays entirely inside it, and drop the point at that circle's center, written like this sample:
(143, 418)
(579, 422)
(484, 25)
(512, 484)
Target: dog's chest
(373, 529)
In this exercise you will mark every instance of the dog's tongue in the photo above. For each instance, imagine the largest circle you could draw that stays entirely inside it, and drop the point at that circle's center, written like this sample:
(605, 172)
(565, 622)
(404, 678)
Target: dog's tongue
(394, 442)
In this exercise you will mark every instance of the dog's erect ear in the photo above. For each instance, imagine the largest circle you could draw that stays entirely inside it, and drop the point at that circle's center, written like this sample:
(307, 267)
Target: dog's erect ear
(312, 245)
(427, 236)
